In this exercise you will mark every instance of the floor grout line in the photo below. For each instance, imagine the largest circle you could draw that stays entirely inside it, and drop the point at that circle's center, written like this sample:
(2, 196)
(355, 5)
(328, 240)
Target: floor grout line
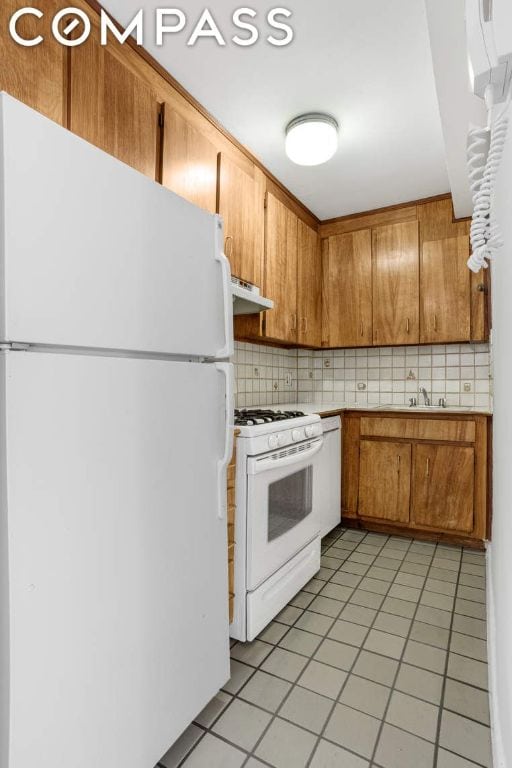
(435, 551)
(369, 628)
(294, 684)
(400, 662)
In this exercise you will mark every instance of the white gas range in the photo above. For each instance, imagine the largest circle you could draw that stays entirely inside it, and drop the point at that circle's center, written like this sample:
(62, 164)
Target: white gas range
(277, 535)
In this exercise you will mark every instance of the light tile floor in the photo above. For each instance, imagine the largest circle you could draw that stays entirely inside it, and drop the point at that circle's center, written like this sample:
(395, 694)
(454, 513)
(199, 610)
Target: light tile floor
(380, 661)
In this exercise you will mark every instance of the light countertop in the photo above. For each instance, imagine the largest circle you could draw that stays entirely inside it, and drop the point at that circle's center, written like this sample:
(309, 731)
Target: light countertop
(331, 408)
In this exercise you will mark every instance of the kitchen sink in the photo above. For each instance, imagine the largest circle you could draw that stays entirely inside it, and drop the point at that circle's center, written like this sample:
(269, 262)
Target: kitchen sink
(421, 408)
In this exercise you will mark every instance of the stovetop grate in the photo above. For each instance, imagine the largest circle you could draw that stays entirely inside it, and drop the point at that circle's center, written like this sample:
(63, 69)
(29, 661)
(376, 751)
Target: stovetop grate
(253, 417)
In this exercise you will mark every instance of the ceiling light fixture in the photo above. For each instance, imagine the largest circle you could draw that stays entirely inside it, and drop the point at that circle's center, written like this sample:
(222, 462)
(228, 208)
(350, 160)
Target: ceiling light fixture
(312, 139)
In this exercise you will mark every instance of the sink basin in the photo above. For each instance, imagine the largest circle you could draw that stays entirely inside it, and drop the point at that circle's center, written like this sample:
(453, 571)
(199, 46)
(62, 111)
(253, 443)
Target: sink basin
(421, 408)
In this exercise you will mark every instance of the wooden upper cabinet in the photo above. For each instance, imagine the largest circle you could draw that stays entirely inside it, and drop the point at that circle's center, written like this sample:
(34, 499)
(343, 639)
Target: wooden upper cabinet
(112, 108)
(444, 487)
(189, 161)
(480, 286)
(445, 291)
(347, 290)
(240, 202)
(396, 284)
(385, 480)
(281, 271)
(309, 287)
(34, 75)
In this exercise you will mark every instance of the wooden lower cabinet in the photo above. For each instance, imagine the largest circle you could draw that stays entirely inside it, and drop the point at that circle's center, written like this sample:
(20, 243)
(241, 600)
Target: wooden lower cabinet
(444, 487)
(424, 475)
(385, 480)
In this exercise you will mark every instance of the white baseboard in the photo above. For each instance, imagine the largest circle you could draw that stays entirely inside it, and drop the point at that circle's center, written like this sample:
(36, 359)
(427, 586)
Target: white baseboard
(497, 741)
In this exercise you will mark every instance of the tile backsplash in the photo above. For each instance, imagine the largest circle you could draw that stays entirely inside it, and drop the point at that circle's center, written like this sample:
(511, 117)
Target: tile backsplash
(461, 373)
(264, 375)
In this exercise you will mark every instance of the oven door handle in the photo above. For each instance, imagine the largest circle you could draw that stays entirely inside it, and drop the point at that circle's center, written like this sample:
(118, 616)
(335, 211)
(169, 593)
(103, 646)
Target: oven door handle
(257, 466)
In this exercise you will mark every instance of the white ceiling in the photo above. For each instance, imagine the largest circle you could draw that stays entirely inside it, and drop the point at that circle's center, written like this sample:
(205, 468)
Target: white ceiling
(367, 62)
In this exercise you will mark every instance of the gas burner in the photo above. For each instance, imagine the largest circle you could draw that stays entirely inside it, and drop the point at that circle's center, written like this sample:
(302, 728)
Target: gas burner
(256, 416)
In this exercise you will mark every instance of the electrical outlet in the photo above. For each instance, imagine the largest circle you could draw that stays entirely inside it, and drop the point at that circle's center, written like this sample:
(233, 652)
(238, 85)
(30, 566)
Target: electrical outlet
(276, 385)
(327, 363)
(361, 386)
(467, 386)
(256, 373)
(310, 374)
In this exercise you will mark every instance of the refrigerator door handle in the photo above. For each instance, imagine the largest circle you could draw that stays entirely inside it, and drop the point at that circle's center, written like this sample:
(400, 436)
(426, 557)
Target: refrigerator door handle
(228, 349)
(227, 370)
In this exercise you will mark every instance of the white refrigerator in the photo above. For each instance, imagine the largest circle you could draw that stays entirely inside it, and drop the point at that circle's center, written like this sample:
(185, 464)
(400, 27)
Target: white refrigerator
(116, 408)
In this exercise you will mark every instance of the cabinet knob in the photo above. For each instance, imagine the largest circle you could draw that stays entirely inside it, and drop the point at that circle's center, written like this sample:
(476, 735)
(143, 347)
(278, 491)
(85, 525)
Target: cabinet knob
(361, 328)
(435, 322)
(305, 324)
(294, 322)
(428, 467)
(407, 325)
(399, 461)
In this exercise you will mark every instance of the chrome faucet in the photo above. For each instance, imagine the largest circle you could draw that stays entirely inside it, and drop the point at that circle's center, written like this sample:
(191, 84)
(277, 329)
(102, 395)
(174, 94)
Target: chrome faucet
(426, 398)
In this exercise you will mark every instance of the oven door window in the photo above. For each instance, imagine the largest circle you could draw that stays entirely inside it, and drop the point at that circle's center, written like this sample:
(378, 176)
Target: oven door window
(290, 501)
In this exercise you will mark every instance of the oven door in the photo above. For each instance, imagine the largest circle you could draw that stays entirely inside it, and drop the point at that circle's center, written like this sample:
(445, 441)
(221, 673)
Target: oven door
(280, 519)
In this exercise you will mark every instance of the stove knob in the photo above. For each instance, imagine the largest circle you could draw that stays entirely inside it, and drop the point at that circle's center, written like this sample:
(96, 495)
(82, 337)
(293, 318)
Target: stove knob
(281, 440)
(297, 435)
(273, 442)
(310, 431)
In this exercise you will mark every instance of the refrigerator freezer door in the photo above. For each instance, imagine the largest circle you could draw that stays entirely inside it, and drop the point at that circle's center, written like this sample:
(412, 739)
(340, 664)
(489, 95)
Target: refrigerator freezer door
(116, 621)
(94, 254)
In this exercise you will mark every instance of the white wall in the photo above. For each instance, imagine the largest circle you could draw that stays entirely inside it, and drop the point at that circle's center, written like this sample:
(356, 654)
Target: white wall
(500, 560)
(503, 16)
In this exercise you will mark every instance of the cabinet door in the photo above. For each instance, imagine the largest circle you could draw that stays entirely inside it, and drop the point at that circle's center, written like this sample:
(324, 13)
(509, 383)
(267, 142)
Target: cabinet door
(443, 481)
(385, 480)
(34, 75)
(189, 161)
(112, 108)
(347, 276)
(445, 291)
(396, 284)
(281, 271)
(241, 205)
(309, 287)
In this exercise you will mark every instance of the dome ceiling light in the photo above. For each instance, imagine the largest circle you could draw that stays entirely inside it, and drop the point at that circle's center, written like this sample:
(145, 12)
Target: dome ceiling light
(312, 139)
